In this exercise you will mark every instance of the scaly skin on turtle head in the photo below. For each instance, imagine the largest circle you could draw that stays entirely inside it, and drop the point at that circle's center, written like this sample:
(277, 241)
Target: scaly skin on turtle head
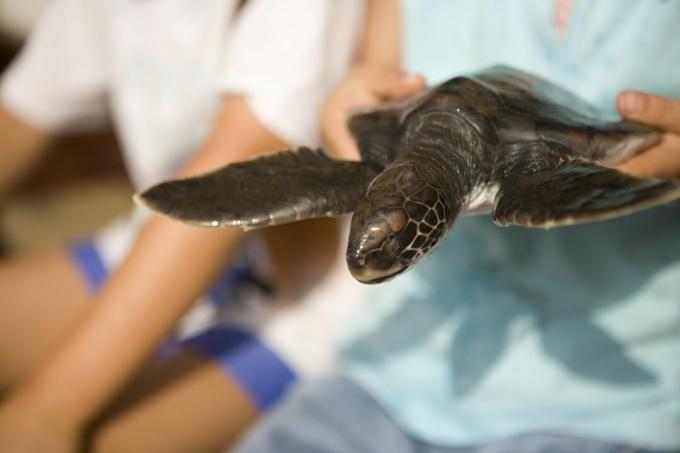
(400, 219)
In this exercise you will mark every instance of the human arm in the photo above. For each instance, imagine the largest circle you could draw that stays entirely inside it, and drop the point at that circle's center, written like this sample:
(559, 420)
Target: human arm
(376, 77)
(21, 146)
(55, 86)
(662, 160)
(169, 267)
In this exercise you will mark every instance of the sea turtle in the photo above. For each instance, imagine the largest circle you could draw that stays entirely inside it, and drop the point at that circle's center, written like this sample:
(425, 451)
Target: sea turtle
(500, 141)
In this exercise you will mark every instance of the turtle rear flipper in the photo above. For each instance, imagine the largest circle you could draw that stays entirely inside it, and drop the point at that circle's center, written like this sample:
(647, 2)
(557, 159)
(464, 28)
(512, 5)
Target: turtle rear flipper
(274, 189)
(576, 191)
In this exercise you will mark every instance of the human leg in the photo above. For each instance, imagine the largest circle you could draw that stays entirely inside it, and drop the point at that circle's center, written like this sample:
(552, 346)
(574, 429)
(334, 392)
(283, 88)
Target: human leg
(199, 392)
(331, 415)
(235, 366)
(551, 443)
(334, 415)
(194, 402)
(43, 294)
(185, 403)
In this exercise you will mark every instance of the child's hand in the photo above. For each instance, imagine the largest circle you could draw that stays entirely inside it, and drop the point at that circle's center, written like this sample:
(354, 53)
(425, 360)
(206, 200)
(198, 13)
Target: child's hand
(662, 160)
(364, 87)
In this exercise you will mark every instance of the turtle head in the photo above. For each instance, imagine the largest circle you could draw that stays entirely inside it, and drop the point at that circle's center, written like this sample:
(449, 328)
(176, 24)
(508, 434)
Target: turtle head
(400, 219)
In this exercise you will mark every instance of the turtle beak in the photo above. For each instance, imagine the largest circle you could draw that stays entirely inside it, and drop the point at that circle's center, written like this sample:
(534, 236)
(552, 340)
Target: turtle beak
(370, 254)
(367, 257)
(369, 274)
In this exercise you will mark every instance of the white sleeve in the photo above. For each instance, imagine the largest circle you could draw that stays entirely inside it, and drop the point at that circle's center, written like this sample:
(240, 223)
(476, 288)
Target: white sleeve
(284, 57)
(58, 81)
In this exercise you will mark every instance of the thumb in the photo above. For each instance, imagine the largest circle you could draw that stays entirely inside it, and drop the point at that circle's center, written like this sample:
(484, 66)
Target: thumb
(398, 85)
(653, 110)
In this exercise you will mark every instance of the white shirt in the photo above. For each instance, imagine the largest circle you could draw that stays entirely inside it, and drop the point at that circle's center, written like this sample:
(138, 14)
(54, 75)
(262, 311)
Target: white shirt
(158, 68)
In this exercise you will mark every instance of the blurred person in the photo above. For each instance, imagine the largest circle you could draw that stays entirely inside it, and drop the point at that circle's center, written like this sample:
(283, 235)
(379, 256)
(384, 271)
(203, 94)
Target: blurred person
(514, 340)
(188, 86)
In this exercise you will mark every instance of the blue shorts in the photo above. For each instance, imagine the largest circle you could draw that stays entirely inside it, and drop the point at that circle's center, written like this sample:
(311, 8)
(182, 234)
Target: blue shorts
(239, 352)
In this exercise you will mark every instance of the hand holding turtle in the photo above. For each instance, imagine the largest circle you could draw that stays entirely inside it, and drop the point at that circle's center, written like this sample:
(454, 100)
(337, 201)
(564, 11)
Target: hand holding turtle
(663, 159)
(366, 86)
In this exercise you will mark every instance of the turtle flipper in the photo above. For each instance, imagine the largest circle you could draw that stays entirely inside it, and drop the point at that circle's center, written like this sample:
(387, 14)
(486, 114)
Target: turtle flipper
(576, 191)
(273, 189)
(610, 143)
(377, 133)
(537, 109)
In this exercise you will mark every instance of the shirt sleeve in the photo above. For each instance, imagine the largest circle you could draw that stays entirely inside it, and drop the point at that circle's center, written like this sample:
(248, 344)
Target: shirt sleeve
(58, 81)
(284, 57)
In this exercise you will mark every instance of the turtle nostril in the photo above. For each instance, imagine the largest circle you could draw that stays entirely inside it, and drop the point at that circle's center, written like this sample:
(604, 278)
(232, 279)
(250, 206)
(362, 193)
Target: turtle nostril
(356, 260)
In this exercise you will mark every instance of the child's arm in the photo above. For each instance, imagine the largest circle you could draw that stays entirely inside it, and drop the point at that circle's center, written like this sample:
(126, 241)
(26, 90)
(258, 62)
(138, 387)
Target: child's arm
(375, 78)
(169, 267)
(21, 146)
(662, 160)
(55, 85)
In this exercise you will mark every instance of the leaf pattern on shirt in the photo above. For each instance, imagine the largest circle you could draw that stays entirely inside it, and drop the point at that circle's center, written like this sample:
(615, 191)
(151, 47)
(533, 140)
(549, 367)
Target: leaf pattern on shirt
(491, 298)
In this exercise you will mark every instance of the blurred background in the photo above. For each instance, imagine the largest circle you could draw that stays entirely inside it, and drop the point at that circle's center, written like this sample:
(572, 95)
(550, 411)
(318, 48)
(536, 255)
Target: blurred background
(80, 184)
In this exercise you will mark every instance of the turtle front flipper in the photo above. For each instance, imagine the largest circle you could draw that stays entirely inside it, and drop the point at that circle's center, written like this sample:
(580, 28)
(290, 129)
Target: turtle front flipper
(575, 191)
(280, 188)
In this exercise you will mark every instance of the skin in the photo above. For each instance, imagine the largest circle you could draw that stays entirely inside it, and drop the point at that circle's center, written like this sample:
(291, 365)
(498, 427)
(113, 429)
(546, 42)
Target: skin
(103, 343)
(377, 77)
(662, 160)
(22, 146)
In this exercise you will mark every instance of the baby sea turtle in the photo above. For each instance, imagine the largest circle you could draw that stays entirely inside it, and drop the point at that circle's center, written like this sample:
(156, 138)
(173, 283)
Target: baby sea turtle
(500, 141)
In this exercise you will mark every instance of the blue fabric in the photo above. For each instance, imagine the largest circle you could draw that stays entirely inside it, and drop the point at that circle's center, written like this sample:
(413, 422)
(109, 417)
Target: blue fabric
(90, 265)
(335, 416)
(509, 331)
(255, 367)
(239, 273)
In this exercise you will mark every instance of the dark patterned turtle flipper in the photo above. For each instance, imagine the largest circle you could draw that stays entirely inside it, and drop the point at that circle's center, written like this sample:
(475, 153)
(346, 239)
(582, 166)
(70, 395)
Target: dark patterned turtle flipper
(576, 191)
(269, 190)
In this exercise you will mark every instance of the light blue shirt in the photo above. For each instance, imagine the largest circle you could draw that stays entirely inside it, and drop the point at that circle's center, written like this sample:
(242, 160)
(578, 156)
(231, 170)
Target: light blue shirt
(511, 330)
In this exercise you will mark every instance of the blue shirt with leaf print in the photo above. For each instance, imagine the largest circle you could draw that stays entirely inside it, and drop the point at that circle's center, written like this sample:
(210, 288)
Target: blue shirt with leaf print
(511, 330)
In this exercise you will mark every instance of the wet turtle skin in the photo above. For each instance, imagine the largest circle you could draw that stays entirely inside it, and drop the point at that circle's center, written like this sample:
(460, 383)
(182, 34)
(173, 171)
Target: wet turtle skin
(500, 141)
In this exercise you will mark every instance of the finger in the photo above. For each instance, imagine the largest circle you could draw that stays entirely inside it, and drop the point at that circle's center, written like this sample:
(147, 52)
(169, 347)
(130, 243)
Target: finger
(405, 86)
(660, 161)
(391, 84)
(340, 143)
(338, 140)
(650, 109)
